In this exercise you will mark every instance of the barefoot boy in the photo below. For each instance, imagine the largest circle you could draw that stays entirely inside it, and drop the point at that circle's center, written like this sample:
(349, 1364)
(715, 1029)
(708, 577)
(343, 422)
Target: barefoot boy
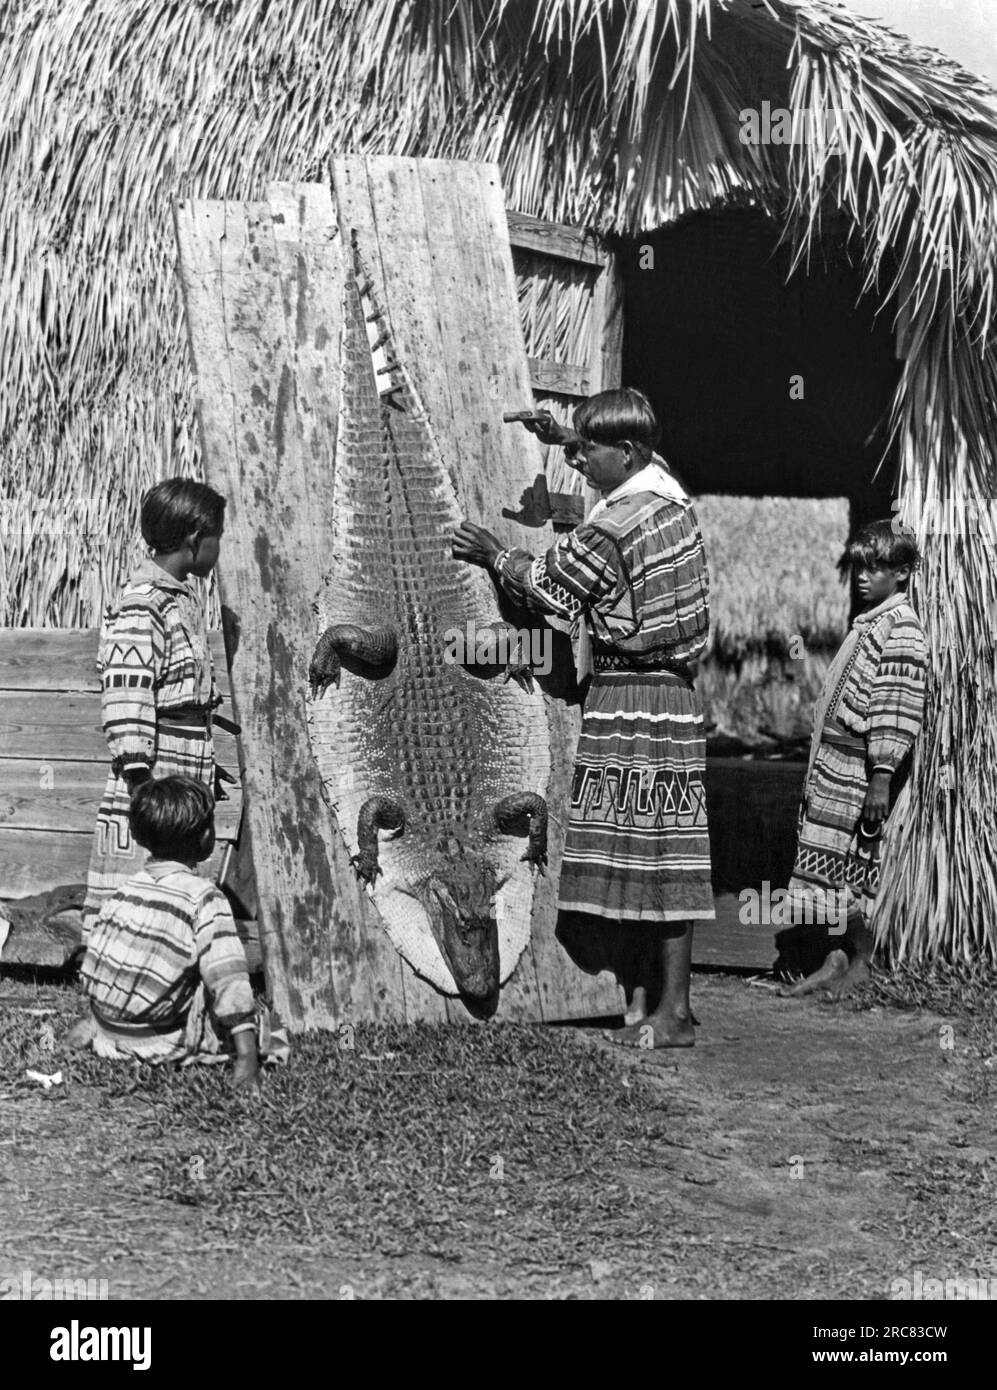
(865, 722)
(165, 971)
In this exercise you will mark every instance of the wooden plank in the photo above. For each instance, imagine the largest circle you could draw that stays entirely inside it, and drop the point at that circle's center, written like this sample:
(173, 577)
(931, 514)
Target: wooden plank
(65, 795)
(607, 335)
(305, 225)
(449, 288)
(560, 378)
(46, 658)
(481, 288)
(382, 200)
(66, 726)
(246, 329)
(555, 239)
(33, 861)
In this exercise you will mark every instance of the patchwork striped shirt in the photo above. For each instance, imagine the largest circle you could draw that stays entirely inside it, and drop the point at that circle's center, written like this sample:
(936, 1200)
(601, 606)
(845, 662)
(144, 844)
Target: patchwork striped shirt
(638, 575)
(156, 938)
(879, 693)
(153, 655)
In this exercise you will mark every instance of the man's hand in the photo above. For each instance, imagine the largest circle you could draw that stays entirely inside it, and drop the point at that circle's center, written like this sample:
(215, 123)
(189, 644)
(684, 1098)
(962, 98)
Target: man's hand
(246, 1074)
(549, 432)
(877, 798)
(475, 545)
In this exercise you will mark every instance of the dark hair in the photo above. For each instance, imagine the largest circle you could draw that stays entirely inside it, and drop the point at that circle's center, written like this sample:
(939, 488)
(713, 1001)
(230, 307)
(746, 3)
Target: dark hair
(169, 815)
(177, 508)
(882, 543)
(612, 416)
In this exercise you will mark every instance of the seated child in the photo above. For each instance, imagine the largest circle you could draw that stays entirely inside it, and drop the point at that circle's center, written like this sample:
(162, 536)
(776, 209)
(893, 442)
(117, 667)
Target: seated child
(865, 722)
(165, 971)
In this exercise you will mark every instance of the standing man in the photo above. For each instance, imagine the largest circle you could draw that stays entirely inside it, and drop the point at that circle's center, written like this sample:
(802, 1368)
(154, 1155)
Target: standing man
(637, 853)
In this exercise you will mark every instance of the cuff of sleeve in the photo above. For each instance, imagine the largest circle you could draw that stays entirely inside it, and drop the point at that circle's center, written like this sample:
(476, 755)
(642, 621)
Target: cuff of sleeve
(499, 562)
(243, 1026)
(883, 767)
(131, 762)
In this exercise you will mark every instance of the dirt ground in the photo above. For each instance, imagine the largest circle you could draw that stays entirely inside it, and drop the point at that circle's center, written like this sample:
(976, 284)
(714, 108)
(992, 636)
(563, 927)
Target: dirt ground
(801, 1150)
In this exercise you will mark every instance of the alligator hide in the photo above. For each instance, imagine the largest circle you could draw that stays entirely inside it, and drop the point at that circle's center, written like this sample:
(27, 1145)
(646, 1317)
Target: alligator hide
(424, 761)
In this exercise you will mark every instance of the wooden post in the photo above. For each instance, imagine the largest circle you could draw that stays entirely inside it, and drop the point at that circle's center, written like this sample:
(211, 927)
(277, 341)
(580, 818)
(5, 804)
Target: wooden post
(262, 289)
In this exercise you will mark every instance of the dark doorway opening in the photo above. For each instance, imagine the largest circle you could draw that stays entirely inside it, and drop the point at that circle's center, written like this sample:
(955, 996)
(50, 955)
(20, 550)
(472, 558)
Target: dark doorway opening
(713, 335)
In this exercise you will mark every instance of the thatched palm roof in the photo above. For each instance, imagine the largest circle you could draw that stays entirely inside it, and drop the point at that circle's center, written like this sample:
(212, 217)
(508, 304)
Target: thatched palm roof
(620, 115)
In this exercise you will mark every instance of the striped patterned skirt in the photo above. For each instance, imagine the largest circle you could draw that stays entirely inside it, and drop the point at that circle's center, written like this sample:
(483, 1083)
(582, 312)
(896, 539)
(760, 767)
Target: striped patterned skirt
(637, 847)
(183, 748)
(832, 850)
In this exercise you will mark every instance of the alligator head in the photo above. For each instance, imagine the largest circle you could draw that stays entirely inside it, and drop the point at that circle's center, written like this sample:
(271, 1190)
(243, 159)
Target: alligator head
(459, 899)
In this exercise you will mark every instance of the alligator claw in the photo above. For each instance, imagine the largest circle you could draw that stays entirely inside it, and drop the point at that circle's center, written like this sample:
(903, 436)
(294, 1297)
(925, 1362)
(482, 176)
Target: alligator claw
(377, 813)
(509, 814)
(374, 646)
(504, 637)
(522, 674)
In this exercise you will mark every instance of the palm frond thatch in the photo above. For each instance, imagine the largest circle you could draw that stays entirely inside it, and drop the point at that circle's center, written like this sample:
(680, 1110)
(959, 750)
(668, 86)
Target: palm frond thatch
(621, 116)
(775, 586)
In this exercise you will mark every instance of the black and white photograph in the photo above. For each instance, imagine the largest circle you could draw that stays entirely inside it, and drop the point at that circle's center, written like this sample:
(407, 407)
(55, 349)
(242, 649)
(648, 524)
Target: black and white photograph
(498, 670)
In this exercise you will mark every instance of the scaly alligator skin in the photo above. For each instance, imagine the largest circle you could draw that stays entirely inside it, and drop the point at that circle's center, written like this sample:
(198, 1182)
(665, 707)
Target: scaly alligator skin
(409, 744)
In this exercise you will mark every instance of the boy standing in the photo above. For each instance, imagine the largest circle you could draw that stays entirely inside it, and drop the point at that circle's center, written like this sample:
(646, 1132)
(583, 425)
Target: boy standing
(865, 722)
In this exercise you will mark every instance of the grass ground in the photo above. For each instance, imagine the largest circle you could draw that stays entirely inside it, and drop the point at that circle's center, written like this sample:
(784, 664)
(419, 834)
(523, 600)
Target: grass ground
(800, 1150)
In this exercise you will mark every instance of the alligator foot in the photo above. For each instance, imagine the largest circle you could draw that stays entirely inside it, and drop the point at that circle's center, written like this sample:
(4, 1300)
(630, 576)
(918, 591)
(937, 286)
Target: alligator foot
(500, 645)
(377, 813)
(374, 646)
(509, 814)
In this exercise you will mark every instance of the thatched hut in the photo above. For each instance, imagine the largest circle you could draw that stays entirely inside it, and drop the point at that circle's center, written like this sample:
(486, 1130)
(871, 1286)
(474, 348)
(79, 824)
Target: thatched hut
(620, 119)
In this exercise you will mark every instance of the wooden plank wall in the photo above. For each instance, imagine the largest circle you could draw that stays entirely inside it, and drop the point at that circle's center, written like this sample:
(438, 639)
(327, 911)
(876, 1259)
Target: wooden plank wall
(262, 289)
(54, 759)
(261, 286)
(446, 278)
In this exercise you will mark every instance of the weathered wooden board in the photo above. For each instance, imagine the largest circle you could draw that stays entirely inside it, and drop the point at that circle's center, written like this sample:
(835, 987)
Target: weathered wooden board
(52, 726)
(556, 239)
(445, 273)
(65, 659)
(32, 861)
(64, 795)
(54, 759)
(261, 285)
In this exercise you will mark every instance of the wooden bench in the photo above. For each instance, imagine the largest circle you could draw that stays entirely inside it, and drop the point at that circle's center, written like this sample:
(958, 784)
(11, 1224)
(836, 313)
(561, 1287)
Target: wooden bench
(54, 759)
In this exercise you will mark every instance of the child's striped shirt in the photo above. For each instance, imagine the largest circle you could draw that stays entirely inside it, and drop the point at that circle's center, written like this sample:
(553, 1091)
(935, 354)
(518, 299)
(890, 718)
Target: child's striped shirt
(156, 938)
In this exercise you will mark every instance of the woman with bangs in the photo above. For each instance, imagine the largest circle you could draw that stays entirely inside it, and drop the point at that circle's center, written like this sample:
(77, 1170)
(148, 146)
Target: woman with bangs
(636, 868)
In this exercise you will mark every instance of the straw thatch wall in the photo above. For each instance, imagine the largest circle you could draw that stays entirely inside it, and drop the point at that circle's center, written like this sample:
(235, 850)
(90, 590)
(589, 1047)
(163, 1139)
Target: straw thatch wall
(775, 585)
(623, 117)
(779, 609)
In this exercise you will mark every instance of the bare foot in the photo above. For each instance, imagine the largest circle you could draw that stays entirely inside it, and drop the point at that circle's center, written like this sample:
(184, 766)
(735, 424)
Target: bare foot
(857, 974)
(834, 967)
(637, 1008)
(655, 1031)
